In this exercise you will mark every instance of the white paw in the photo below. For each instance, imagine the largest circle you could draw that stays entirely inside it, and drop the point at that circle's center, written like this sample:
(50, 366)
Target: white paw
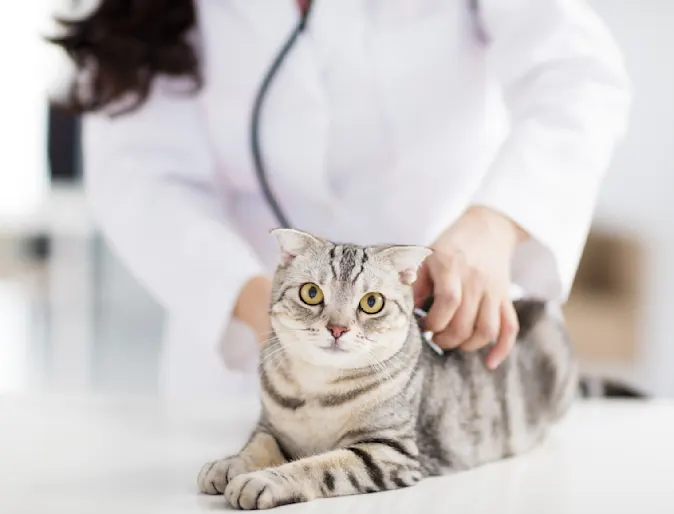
(264, 489)
(214, 476)
(408, 477)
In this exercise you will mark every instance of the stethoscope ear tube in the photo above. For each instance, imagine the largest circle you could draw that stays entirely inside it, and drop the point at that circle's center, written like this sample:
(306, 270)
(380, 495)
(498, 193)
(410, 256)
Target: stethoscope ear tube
(258, 161)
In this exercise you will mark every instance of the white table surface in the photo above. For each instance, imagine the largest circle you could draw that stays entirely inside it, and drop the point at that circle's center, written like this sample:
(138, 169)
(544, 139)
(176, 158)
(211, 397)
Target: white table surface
(94, 455)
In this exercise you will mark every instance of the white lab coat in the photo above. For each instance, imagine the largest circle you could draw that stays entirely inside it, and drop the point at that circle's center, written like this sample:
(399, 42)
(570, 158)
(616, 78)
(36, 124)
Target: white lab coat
(387, 120)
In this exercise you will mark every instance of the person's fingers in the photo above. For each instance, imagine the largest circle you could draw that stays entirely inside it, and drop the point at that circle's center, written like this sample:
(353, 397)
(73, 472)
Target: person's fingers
(507, 336)
(423, 286)
(447, 297)
(462, 324)
(487, 325)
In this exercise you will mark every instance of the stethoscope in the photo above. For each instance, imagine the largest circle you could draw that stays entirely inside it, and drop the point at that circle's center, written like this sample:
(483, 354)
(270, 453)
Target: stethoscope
(260, 169)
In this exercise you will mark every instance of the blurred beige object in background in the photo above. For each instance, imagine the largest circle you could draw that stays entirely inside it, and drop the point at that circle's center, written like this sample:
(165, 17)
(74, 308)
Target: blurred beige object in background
(603, 310)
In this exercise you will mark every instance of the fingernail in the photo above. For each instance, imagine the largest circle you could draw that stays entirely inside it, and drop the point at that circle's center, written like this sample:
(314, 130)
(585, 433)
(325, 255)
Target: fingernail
(492, 364)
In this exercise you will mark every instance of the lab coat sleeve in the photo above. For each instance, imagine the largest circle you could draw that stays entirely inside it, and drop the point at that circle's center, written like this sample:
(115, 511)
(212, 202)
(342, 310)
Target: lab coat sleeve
(150, 180)
(567, 94)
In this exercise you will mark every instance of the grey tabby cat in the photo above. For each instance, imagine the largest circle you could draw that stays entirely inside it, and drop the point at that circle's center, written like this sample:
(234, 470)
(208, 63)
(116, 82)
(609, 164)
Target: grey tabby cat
(354, 402)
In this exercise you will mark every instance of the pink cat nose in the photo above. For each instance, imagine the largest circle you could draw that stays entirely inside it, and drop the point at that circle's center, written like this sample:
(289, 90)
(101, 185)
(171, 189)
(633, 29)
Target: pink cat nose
(337, 330)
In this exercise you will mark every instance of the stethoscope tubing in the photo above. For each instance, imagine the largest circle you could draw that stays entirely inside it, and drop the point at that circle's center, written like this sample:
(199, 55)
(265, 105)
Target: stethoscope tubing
(256, 115)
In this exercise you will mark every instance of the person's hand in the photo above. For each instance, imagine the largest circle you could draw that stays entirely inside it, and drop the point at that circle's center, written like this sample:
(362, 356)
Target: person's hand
(252, 307)
(468, 275)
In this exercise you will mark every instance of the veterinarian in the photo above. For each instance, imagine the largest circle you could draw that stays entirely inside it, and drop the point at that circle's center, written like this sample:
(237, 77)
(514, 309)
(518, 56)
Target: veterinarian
(482, 128)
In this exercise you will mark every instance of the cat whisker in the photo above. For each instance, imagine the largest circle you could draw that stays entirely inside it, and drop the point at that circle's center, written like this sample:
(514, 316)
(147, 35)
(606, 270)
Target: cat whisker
(271, 355)
(379, 367)
(270, 340)
(385, 367)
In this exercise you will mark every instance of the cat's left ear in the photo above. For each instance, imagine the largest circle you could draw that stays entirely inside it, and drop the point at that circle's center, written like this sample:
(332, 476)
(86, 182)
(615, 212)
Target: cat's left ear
(294, 242)
(405, 259)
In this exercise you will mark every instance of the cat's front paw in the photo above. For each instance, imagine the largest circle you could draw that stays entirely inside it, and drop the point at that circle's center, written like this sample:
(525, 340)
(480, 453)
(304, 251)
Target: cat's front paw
(264, 489)
(215, 476)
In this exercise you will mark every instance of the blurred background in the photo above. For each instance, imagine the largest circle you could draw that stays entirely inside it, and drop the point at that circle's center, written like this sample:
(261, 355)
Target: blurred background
(72, 318)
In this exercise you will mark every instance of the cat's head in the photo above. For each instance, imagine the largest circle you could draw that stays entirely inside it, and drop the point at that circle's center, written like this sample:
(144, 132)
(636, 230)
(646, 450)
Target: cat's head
(339, 305)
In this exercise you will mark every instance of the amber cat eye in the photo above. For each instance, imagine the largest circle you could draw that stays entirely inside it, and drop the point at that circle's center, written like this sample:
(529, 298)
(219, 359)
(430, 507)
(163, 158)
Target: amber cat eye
(311, 294)
(372, 303)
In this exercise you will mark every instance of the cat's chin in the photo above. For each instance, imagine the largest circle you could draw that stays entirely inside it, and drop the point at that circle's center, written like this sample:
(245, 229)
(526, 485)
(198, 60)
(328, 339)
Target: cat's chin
(334, 358)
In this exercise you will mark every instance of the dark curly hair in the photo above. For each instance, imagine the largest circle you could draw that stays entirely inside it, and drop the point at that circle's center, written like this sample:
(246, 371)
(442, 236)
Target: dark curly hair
(123, 45)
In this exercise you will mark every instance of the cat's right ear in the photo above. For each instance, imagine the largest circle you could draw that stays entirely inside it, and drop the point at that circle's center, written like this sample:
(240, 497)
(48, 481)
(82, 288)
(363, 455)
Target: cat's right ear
(294, 242)
(405, 259)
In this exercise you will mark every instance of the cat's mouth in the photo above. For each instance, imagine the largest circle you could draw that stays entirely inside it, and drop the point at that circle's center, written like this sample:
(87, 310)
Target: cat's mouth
(333, 348)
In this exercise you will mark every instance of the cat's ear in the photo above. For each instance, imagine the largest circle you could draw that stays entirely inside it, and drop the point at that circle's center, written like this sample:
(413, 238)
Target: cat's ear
(294, 242)
(405, 259)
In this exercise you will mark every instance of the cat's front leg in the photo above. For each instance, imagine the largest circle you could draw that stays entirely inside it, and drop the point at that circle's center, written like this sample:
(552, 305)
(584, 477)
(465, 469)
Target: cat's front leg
(367, 467)
(261, 451)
